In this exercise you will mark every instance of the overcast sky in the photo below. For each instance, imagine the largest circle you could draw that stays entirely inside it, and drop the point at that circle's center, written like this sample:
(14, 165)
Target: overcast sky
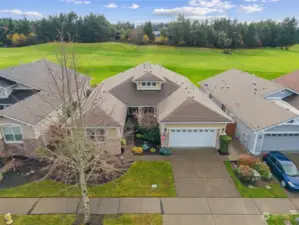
(139, 11)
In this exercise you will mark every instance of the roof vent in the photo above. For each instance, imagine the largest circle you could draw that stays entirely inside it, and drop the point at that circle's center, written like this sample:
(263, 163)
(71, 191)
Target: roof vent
(253, 83)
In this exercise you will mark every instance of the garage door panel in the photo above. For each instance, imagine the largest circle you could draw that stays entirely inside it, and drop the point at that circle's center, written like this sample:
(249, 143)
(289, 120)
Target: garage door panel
(281, 142)
(192, 137)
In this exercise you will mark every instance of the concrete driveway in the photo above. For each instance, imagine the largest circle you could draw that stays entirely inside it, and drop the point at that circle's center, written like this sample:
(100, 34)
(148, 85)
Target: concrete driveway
(201, 173)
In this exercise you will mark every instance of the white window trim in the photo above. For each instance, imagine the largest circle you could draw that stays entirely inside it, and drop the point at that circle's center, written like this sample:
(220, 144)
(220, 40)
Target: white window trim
(105, 133)
(151, 86)
(12, 142)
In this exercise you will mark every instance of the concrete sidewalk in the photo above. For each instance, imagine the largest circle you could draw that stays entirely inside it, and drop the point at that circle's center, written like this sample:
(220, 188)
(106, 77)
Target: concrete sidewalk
(176, 211)
(167, 206)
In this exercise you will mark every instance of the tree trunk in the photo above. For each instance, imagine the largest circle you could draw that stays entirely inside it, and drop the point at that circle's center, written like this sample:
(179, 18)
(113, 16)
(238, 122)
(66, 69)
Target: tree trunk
(85, 197)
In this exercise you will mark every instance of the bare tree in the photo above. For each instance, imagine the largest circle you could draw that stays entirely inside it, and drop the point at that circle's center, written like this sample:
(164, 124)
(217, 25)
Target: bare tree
(74, 154)
(145, 117)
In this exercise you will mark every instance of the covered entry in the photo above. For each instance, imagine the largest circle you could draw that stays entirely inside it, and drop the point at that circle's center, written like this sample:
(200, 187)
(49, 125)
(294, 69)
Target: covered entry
(192, 137)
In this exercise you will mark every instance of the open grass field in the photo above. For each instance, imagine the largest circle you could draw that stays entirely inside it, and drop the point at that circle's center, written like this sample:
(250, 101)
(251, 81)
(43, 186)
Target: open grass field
(102, 60)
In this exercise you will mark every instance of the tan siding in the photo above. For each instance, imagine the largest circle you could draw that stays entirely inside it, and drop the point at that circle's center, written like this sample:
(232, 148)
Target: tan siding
(28, 131)
(112, 133)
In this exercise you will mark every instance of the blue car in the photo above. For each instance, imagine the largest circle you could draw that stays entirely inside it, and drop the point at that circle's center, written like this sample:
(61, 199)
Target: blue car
(284, 169)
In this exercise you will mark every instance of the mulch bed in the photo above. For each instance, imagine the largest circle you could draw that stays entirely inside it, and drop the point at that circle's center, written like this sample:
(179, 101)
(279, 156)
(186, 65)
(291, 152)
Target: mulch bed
(29, 171)
(32, 170)
(139, 142)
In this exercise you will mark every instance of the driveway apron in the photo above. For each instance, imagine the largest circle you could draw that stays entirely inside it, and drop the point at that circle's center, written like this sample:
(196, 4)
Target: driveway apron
(201, 173)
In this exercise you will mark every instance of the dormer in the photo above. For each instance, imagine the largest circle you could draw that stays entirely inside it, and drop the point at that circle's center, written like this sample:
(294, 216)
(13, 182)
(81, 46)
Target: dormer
(148, 80)
(6, 87)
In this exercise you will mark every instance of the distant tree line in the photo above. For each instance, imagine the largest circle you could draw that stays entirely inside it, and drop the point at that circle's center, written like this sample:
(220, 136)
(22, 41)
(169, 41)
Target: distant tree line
(218, 33)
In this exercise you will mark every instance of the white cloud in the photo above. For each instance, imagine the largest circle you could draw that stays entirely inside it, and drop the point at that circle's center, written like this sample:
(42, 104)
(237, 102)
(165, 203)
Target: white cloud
(263, 1)
(251, 8)
(134, 6)
(111, 6)
(21, 13)
(187, 11)
(267, 1)
(197, 8)
(77, 2)
(219, 4)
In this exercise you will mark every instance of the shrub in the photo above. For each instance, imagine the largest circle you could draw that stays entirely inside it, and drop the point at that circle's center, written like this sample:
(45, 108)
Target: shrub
(263, 169)
(137, 150)
(139, 135)
(145, 147)
(246, 160)
(151, 134)
(245, 174)
(123, 142)
(152, 150)
(1, 177)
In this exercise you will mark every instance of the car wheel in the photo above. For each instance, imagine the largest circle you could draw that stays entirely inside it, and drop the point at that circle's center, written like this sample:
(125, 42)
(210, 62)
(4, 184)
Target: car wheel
(283, 183)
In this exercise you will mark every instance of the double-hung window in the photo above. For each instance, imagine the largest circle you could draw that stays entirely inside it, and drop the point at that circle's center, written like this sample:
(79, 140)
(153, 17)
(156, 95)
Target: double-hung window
(12, 134)
(96, 134)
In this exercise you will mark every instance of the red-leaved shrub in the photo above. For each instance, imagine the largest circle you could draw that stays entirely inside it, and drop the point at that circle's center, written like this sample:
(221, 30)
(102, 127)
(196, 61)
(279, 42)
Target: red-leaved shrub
(247, 160)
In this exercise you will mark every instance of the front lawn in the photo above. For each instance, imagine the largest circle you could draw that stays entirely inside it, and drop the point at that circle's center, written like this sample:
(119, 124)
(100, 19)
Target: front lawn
(137, 181)
(41, 220)
(276, 190)
(279, 219)
(144, 219)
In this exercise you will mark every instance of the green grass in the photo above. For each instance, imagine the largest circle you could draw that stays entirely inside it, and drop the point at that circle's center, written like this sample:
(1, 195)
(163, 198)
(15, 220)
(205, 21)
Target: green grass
(279, 219)
(144, 219)
(276, 190)
(41, 220)
(101, 60)
(136, 182)
(125, 219)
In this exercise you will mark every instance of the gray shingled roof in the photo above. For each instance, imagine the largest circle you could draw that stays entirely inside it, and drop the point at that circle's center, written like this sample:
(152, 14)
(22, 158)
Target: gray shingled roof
(290, 80)
(149, 74)
(37, 75)
(128, 93)
(243, 94)
(175, 90)
(182, 106)
(108, 111)
(293, 100)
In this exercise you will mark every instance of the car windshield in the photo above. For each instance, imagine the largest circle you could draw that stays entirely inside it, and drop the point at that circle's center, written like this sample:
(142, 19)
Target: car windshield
(290, 169)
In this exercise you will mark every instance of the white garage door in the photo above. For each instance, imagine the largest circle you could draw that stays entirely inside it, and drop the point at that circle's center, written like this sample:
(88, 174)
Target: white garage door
(192, 138)
(281, 142)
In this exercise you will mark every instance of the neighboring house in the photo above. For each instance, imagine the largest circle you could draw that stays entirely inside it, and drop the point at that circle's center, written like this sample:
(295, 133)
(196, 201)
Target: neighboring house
(29, 103)
(157, 34)
(291, 81)
(266, 113)
(187, 118)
